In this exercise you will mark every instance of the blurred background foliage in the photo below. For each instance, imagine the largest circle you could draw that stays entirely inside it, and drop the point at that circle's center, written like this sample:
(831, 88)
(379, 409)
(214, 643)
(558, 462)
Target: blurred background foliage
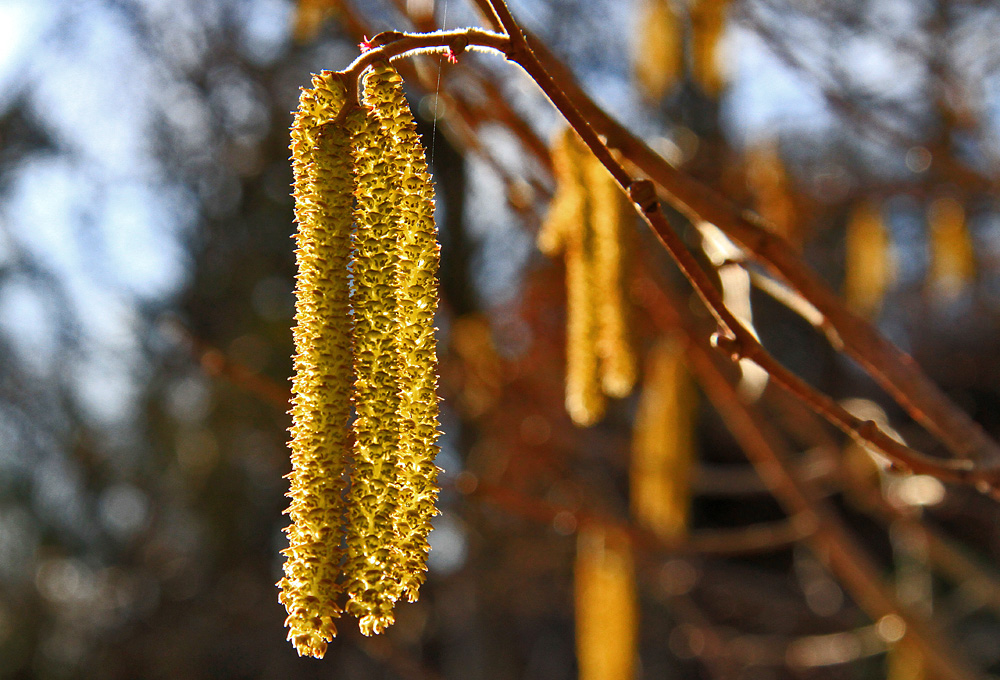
(146, 276)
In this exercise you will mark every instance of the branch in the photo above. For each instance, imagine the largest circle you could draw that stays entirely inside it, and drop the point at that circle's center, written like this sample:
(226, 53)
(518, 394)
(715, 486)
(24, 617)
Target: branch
(831, 540)
(733, 336)
(891, 368)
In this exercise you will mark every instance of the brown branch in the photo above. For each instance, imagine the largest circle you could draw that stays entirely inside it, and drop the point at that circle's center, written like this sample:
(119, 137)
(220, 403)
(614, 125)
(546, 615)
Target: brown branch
(751, 539)
(893, 369)
(734, 337)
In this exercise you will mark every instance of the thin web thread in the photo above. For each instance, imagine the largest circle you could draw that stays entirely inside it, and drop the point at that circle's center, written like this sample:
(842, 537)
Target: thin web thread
(437, 87)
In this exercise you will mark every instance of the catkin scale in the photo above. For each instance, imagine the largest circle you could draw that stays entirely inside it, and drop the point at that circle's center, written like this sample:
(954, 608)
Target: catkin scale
(321, 385)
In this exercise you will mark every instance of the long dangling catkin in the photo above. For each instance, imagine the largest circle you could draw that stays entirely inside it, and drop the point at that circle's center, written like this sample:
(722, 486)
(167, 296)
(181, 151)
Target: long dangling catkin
(610, 213)
(869, 264)
(567, 229)
(663, 444)
(415, 489)
(322, 382)
(607, 612)
(587, 223)
(378, 364)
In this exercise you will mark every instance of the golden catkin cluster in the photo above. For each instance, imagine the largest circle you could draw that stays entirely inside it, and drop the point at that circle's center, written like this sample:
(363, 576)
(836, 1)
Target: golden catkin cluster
(588, 222)
(663, 444)
(869, 261)
(361, 501)
(606, 600)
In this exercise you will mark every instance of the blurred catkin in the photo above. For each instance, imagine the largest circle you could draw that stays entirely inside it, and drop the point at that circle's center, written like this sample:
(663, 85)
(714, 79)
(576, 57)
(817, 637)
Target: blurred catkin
(322, 382)
(587, 222)
(869, 263)
(663, 444)
(607, 612)
(658, 49)
(708, 19)
(953, 261)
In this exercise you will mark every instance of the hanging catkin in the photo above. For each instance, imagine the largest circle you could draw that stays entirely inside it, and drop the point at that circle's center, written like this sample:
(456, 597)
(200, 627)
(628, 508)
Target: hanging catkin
(663, 444)
(607, 616)
(708, 19)
(365, 307)
(953, 262)
(610, 213)
(658, 49)
(869, 266)
(415, 491)
(587, 223)
(322, 382)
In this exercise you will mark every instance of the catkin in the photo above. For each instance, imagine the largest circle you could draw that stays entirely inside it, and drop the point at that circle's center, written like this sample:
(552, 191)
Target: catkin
(378, 424)
(322, 383)
(415, 490)
(587, 223)
(869, 264)
(607, 612)
(708, 19)
(663, 444)
(659, 49)
(366, 295)
(953, 261)
(610, 214)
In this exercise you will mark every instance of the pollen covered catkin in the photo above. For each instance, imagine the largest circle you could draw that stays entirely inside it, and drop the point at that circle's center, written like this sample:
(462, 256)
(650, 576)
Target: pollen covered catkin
(415, 490)
(322, 382)
(378, 424)
(362, 494)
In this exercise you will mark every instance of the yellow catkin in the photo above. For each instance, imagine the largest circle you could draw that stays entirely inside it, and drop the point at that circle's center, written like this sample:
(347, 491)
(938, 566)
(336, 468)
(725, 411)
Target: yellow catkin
(708, 19)
(587, 223)
(378, 424)
(663, 444)
(309, 17)
(869, 265)
(610, 216)
(322, 382)
(658, 51)
(567, 211)
(905, 661)
(607, 613)
(415, 489)
(771, 186)
(953, 262)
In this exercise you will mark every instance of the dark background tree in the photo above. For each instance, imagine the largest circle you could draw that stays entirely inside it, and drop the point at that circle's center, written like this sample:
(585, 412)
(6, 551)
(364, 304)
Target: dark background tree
(146, 276)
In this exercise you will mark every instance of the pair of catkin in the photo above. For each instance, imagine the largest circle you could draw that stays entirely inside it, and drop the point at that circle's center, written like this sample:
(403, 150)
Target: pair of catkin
(362, 493)
(588, 221)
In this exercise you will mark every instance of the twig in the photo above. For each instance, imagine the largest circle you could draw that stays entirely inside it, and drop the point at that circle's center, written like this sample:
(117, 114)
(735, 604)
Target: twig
(733, 337)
